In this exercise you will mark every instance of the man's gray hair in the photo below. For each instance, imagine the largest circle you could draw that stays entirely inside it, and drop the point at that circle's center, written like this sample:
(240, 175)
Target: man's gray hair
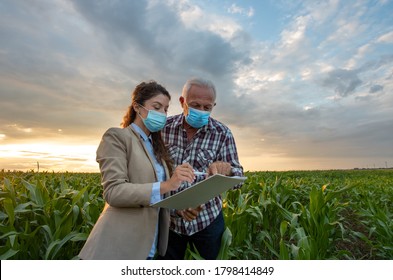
(198, 82)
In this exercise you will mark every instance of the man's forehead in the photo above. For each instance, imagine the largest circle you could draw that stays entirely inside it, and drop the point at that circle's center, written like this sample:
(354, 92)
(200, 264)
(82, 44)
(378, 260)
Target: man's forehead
(200, 92)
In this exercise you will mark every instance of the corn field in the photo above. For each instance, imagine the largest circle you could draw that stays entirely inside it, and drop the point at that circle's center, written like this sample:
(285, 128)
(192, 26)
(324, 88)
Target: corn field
(294, 215)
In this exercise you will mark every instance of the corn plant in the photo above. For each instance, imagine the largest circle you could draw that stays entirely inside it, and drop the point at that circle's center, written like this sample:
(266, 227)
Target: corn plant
(47, 217)
(340, 214)
(301, 215)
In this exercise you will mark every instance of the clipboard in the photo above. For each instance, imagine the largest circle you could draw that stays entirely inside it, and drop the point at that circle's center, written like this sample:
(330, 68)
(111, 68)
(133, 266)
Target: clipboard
(200, 193)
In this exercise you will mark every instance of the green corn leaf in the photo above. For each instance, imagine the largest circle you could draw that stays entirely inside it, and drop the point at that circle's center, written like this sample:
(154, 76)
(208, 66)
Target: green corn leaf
(9, 254)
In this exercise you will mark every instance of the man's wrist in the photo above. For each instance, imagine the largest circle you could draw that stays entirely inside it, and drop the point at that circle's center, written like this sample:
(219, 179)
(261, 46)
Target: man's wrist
(176, 213)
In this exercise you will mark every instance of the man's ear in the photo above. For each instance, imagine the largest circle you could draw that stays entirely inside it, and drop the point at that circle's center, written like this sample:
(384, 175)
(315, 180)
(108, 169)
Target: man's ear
(182, 103)
(181, 99)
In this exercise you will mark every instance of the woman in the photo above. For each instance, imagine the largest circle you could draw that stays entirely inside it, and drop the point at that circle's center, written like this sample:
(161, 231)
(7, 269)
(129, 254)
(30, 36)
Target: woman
(136, 172)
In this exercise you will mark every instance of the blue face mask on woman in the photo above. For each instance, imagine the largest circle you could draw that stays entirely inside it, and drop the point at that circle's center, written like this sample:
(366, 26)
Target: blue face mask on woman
(155, 121)
(197, 118)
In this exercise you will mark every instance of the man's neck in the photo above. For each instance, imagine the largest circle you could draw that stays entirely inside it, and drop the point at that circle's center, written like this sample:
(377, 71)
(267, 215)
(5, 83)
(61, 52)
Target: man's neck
(191, 131)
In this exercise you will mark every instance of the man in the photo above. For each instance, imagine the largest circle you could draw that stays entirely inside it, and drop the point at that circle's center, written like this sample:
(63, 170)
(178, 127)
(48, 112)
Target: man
(209, 147)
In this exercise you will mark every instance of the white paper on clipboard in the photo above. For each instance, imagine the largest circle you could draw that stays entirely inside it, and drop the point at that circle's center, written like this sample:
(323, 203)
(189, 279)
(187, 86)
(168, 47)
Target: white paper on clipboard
(200, 193)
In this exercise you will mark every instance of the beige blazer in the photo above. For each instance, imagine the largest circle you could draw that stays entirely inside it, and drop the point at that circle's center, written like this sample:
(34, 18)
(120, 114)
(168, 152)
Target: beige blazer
(126, 226)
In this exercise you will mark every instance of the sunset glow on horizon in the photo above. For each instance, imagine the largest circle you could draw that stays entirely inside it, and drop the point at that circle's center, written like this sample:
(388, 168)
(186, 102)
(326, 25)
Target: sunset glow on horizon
(81, 158)
(48, 157)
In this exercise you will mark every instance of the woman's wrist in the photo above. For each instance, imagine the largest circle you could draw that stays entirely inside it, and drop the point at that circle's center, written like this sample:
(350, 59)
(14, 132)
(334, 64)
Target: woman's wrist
(163, 187)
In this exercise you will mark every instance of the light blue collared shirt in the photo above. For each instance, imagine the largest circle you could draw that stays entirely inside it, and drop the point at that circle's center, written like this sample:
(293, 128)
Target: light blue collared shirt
(160, 172)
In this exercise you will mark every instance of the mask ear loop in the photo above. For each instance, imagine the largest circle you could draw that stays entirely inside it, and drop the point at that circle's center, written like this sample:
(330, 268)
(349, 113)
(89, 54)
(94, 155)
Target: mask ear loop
(140, 105)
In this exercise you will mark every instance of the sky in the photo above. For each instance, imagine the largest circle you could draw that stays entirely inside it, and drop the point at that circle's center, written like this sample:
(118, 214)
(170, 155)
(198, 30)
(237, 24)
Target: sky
(303, 85)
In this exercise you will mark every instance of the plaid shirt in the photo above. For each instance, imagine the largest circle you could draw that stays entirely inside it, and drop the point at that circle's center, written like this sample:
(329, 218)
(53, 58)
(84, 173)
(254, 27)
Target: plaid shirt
(212, 142)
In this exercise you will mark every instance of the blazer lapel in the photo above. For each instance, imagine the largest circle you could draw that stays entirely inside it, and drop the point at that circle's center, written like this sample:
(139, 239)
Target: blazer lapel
(144, 148)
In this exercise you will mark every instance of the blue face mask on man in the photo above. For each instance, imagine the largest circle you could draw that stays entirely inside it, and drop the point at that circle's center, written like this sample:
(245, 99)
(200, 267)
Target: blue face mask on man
(155, 121)
(197, 118)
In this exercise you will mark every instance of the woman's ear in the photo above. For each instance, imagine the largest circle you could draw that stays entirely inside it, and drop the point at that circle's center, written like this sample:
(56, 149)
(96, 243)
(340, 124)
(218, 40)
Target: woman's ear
(135, 106)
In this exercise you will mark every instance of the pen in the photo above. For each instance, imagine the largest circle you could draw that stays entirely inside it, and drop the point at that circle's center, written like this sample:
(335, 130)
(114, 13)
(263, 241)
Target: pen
(199, 173)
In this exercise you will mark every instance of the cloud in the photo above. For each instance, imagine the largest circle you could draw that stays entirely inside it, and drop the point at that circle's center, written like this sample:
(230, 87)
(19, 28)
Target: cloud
(235, 9)
(344, 82)
(86, 59)
(67, 70)
(156, 34)
(375, 88)
(386, 38)
(173, 45)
